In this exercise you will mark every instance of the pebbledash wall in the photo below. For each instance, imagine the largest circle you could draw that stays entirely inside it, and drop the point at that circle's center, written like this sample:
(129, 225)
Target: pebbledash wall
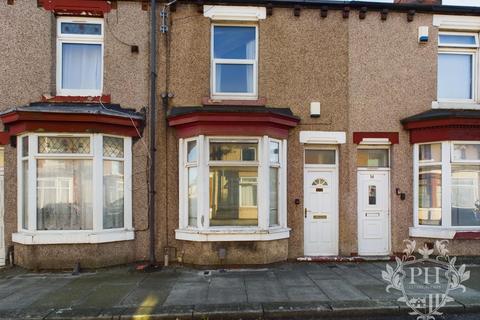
(28, 72)
(367, 73)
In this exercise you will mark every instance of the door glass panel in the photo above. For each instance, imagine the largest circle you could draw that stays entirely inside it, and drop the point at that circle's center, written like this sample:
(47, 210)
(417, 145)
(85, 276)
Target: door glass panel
(372, 195)
(372, 158)
(320, 156)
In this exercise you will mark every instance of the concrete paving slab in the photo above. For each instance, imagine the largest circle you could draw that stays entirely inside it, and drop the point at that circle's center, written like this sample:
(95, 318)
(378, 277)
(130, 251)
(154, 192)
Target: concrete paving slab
(226, 295)
(356, 276)
(227, 282)
(27, 296)
(378, 292)
(186, 293)
(242, 311)
(265, 291)
(106, 295)
(145, 297)
(340, 290)
(69, 295)
(290, 278)
(325, 274)
(374, 270)
(288, 310)
(305, 294)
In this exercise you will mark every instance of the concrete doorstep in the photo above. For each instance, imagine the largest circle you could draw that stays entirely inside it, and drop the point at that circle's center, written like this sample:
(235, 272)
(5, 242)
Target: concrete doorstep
(286, 291)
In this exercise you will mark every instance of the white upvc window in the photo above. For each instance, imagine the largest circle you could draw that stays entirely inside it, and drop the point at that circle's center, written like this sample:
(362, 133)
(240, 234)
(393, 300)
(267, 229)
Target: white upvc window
(457, 67)
(234, 62)
(232, 189)
(80, 47)
(447, 187)
(74, 188)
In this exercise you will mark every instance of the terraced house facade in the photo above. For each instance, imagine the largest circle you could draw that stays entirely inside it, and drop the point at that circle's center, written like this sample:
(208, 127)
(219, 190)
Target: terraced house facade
(237, 133)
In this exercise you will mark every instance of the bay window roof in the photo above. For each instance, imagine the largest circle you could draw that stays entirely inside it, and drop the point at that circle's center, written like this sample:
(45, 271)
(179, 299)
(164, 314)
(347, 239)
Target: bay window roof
(443, 124)
(72, 117)
(232, 120)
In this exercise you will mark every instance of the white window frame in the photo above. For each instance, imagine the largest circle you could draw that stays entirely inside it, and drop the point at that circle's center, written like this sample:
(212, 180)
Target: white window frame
(445, 230)
(203, 231)
(213, 62)
(97, 234)
(80, 39)
(461, 49)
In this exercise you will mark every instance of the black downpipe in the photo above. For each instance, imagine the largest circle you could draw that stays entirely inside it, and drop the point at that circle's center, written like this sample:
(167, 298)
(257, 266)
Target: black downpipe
(153, 121)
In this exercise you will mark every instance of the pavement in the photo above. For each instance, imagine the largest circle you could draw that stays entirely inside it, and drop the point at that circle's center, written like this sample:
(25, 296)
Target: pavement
(284, 291)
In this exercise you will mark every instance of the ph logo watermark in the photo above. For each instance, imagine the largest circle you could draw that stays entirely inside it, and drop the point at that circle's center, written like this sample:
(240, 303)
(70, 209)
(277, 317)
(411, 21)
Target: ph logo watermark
(425, 283)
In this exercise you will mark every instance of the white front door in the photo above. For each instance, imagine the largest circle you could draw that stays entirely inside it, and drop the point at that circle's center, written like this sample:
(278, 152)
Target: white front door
(373, 212)
(321, 212)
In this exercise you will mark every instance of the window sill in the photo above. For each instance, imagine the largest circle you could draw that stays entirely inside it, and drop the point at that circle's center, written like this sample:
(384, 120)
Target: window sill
(234, 101)
(72, 237)
(444, 233)
(232, 234)
(455, 105)
(105, 98)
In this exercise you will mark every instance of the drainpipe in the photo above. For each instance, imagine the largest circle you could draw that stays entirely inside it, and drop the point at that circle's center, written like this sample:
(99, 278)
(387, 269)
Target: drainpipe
(153, 120)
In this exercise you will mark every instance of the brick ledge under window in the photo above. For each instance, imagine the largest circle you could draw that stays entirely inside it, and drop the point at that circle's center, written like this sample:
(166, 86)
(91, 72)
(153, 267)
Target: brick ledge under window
(72, 237)
(443, 233)
(232, 234)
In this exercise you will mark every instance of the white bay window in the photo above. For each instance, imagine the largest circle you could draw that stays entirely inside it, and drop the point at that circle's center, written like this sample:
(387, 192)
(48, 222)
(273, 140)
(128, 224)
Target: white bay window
(74, 188)
(447, 188)
(232, 189)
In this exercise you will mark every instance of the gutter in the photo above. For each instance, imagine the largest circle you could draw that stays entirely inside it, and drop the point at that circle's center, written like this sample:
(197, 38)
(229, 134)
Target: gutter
(152, 118)
(340, 5)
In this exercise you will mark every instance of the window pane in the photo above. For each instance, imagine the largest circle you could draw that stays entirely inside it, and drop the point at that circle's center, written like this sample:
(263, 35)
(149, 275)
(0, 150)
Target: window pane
(25, 146)
(372, 195)
(192, 151)
(455, 76)
(234, 42)
(463, 152)
(320, 156)
(113, 194)
(274, 152)
(25, 194)
(430, 195)
(112, 147)
(81, 66)
(372, 158)
(229, 185)
(273, 196)
(81, 28)
(465, 196)
(222, 151)
(64, 145)
(430, 152)
(192, 196)
(64, 194)
(446, 39)
(235, 78)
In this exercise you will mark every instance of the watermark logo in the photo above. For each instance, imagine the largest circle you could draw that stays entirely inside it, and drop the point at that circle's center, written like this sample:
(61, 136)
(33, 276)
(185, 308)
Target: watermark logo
(425, 283)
